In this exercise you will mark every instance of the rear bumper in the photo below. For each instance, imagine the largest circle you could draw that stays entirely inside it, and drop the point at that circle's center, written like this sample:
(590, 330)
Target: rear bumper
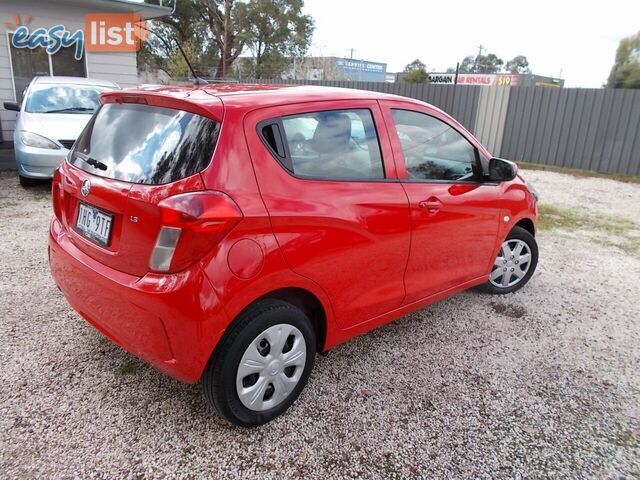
(170, 321)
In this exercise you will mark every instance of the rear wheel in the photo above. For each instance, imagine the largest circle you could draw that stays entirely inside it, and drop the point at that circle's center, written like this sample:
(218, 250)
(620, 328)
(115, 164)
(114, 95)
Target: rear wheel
(28, 182)
(515, 263)
(262, 365)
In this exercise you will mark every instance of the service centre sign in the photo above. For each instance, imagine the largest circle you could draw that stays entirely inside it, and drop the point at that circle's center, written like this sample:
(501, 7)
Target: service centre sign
(360, 65)
(494, 80)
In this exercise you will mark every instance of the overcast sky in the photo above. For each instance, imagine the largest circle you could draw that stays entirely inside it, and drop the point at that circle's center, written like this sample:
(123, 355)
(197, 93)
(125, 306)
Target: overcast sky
(578, 38)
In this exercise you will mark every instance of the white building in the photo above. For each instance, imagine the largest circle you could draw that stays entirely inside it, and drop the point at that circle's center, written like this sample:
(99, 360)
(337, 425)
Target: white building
(19, 65)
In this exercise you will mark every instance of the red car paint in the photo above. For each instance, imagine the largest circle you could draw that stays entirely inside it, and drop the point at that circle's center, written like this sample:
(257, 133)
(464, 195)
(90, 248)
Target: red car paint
(366, 252)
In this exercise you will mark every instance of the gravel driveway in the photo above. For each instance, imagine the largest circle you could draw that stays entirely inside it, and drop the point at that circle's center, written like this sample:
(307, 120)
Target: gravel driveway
(544, 382)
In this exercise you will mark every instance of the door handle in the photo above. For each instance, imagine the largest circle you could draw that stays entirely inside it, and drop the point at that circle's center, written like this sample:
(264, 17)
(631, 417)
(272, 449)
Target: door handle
(432, 205)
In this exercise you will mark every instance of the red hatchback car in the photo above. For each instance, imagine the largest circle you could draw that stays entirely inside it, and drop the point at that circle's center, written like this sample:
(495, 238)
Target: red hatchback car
(227, 233)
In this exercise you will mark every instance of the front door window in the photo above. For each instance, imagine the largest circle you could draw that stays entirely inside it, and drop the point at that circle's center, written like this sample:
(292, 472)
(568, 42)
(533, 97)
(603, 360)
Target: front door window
(433, 150)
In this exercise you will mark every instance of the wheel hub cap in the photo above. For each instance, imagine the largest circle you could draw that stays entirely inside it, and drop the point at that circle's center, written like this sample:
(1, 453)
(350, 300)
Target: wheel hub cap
(274, 368)
(511, 264)
(271, 367)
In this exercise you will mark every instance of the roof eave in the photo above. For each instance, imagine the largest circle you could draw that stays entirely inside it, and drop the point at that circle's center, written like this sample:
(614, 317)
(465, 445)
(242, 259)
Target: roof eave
(145, 10)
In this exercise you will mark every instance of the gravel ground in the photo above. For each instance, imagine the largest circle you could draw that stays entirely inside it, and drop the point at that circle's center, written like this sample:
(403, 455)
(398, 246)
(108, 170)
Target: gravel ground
(541, 383)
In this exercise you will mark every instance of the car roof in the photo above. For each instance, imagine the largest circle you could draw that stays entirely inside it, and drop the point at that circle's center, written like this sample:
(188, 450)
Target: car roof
(260, 95)
(74, 81)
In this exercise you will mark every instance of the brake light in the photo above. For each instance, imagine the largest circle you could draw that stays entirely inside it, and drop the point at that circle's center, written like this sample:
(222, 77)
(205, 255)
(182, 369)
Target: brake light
(133, 99)
(192, 224)
(57, 194)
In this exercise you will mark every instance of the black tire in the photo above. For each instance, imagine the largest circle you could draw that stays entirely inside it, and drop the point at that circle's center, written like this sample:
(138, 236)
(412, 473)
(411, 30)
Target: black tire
(28, 182)
(517, 233)
(219, 379)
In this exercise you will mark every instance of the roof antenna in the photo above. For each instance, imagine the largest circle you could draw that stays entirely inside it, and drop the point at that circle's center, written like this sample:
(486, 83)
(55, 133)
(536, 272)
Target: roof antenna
(197, 79)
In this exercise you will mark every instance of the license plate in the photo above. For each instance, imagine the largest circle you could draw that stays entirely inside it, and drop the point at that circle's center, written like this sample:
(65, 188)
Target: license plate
(94, 224)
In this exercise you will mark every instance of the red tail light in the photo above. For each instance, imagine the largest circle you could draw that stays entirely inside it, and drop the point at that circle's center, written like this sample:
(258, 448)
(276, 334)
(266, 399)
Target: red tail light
(56, 194)
(192, 223)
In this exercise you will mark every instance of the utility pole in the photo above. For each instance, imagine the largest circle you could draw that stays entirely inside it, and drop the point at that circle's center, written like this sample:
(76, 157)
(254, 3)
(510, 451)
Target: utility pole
(351, 50)
(480, 49)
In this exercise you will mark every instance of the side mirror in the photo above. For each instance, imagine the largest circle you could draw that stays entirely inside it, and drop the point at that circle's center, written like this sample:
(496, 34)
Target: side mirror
(15, 106)
(501, 170)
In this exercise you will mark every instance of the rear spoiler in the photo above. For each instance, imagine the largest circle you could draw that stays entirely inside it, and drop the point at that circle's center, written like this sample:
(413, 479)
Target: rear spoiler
(200, 103)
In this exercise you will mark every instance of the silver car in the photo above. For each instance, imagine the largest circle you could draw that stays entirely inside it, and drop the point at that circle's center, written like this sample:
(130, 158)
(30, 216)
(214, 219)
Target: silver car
(53, 113)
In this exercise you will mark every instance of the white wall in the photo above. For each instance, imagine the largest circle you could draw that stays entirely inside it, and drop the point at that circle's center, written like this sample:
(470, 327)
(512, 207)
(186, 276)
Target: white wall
(118, 67)
(7, 119)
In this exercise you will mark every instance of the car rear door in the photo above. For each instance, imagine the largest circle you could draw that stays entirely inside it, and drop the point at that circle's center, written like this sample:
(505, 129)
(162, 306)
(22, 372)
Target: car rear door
(327, 177)
(455, 213)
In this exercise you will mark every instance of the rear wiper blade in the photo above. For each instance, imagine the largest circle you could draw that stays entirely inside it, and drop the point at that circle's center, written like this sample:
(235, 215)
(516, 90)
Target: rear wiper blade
(71, 109)
(97, 164)
(93, 162)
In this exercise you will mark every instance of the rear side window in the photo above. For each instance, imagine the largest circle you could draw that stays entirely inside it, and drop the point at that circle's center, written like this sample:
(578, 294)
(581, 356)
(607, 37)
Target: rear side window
(336, 144)
(145, 144)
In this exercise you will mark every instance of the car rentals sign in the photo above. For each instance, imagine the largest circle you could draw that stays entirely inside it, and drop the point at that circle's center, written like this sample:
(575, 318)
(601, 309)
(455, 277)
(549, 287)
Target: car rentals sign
(496, 80)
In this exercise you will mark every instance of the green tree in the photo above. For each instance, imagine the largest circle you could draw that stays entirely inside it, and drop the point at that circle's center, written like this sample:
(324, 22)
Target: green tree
(219, 31)
(625, 72)
(415, 72)
(272, 29)
(518, 64)
(177, 66)
(275, 31)
(467, 65)
(489, 63)
(224, 20)
(187, 27)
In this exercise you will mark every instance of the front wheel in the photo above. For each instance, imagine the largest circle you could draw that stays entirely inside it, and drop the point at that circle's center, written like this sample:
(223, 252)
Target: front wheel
(515, 263)
(262, 365)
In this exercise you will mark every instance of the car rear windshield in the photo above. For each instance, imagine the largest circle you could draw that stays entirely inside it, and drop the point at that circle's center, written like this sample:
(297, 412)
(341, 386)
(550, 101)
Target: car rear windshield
(145, 144)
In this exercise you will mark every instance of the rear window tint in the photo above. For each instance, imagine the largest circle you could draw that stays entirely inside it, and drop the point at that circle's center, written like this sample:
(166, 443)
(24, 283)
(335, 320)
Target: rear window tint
(145, 144)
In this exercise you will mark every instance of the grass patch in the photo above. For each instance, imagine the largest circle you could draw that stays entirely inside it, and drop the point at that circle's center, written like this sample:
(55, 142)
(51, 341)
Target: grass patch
(576, 172)
(129, 368)
(9, 204)
(551, 217)
(631, 245)
(628, 245)
(626, 236)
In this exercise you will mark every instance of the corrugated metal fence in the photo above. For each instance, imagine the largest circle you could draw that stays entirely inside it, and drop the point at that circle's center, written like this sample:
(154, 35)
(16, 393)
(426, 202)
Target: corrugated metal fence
(593, 129)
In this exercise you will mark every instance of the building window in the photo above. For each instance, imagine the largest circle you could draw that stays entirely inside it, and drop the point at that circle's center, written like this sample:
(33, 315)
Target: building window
(28, 63)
